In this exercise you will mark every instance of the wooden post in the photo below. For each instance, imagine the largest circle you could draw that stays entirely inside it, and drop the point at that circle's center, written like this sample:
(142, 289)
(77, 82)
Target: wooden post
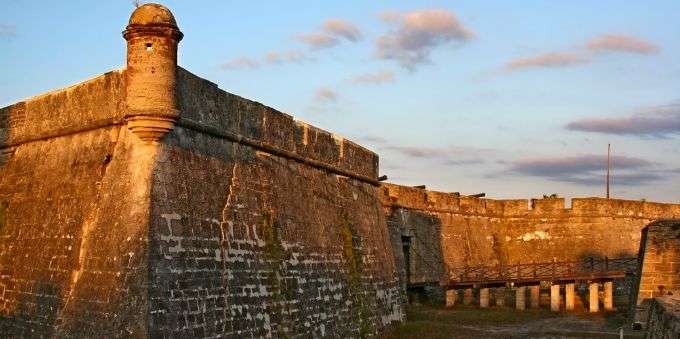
(609, 296)
(484, 297)
(520, 298)
(467, 296)
(555, 297)
(500, 296)
(451, 296)
(535, 293)
(593, 297)
(569, 296)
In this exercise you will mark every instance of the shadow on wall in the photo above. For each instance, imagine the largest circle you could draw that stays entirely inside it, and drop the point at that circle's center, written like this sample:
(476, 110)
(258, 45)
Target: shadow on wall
(27, 307)
(18, 309)
(587, 256)
(12, 121)
(4, 156)
(417, 246)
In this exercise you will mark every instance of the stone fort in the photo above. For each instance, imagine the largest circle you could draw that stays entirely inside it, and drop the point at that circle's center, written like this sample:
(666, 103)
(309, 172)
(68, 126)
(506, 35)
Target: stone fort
(147, 202)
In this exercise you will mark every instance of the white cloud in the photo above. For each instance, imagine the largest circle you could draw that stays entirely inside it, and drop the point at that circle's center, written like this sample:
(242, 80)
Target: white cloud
(240, 63)
(330, 34)
(375, 78)
(417, 34)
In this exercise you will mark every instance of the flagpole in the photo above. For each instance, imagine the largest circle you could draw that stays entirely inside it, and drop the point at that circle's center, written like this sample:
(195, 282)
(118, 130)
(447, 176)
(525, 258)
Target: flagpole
(609, 151)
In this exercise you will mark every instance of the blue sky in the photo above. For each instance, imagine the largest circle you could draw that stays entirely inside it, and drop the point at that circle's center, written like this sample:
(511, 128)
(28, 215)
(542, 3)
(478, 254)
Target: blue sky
(515, 99)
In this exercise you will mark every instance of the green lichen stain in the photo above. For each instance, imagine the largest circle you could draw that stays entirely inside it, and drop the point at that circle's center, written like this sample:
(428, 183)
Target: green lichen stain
(675, 227)
(274, 256)
(3, 217)
(272, 238)
(500, 250)
(352, 254)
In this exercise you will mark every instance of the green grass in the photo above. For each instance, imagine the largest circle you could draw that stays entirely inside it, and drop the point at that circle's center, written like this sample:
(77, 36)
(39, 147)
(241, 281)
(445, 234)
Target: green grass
(472, 322)
(468, 315)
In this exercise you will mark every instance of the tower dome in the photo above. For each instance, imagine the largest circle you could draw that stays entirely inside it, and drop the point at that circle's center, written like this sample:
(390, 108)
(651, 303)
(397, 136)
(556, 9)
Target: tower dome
(151, 74)
(152, 14)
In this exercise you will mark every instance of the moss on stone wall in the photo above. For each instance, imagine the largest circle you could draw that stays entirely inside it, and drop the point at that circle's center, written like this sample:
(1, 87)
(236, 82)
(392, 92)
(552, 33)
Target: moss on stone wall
(275, 255)
(351, 250)
(3, 218)
(272, 238)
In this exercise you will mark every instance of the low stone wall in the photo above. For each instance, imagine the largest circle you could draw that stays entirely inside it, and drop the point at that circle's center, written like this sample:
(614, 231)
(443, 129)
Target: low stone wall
(447, 230)
(664, 318)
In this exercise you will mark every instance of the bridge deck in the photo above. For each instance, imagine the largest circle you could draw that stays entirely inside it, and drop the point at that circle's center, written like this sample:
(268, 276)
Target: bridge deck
(591, 269)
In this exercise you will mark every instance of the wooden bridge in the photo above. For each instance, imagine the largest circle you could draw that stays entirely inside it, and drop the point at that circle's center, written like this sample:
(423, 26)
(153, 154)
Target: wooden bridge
(561, 276)
(590, 269)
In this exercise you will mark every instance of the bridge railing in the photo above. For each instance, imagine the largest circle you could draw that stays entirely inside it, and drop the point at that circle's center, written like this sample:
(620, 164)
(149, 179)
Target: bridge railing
(591, 268)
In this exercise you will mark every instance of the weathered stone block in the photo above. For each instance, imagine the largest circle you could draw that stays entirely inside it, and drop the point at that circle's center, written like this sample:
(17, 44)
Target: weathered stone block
(658, 272)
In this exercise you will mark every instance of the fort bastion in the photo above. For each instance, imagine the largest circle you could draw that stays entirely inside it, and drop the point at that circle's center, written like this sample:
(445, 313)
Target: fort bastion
(148, 202)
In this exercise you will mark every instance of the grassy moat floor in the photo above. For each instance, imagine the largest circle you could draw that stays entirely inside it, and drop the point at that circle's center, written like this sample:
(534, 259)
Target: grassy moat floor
(472, 322)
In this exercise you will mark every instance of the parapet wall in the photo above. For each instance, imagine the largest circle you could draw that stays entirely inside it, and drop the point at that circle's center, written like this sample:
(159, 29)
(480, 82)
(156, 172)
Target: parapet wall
(454, 231)
(92, 104)
(440, 202)
(203, 103)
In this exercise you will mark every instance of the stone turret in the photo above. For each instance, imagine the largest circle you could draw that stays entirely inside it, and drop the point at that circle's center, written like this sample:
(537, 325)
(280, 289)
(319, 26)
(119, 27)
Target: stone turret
(152, 37)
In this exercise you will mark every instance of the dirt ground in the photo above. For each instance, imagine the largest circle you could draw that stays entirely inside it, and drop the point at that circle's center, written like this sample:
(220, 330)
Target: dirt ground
(472, 322)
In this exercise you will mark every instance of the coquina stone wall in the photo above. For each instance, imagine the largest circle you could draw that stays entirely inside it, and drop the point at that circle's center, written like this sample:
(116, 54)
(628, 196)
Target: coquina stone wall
(147, 202)
(664, 318)
(448, 231)
(74, 215)
(102, 233)
(659, 272)
(259, 244)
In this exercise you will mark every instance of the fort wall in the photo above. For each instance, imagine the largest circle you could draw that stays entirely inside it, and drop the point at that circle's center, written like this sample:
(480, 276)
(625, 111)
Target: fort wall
(147, 202)
(73, 215)
(261, 243)
(659, 273)
(664, 317)
(241, 221)
(448, 230)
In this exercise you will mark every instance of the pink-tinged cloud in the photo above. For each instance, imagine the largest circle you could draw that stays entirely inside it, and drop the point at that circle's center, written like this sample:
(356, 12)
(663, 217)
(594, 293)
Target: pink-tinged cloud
(588, 170)
(289, 56)
(342, 28)
(376, 78)
(448, 156)
(325, 94)
(547, 60)
(552, 166)
(416, 34)
(330, 34)
(655, 122)
(621, 43)
(240, 63)
(317, 40)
